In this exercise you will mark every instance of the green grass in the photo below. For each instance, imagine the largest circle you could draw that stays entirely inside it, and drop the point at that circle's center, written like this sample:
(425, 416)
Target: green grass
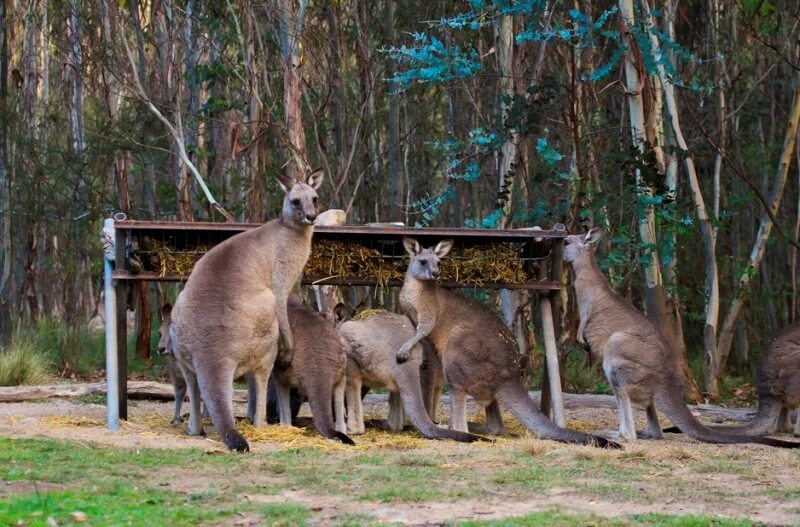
(188, 486)
(23, 362)
(112, 505)
(285, 514)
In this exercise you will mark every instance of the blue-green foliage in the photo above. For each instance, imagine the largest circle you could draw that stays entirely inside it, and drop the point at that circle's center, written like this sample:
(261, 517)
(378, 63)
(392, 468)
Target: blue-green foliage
(429, 60)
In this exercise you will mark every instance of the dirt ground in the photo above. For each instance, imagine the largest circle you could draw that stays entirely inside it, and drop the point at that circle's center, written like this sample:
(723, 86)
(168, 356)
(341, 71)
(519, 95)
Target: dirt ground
(768, 492)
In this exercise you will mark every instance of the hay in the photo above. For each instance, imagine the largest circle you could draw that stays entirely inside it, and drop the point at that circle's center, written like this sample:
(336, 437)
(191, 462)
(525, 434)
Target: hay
(68, 421)
(470, 266)
(167, 261)
(365, 314)
(294, 437)
(333, 258)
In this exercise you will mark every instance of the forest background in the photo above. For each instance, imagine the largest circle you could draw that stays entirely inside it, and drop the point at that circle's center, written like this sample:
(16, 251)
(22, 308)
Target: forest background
(671, 123)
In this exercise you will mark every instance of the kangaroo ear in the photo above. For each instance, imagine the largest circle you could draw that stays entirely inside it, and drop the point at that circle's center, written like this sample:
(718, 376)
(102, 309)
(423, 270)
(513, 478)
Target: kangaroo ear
(340, 313)
(594, 235)
(285, 182)
(315, 178)
(442, 248)
(412, 246)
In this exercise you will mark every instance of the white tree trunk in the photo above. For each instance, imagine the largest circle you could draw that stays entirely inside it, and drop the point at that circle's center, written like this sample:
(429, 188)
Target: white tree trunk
(706, 228)
(764, 231)
(508, 153)
(647, 223)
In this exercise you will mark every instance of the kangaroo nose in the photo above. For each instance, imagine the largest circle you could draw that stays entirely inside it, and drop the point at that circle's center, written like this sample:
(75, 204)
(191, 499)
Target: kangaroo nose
(435, 273)
(311, 216)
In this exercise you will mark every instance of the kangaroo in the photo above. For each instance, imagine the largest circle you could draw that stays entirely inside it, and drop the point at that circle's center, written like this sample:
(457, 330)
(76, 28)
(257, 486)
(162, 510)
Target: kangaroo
(638, 360)
(371, 346)
(227, 320)
(164, 349)
(778, 388)
(479, 353)
(317, 369)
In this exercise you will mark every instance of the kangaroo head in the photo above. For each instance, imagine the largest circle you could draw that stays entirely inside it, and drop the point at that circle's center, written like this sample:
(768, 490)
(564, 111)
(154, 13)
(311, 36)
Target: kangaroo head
(300, 201)
(577, 244)
(164, 347)
(424, 263)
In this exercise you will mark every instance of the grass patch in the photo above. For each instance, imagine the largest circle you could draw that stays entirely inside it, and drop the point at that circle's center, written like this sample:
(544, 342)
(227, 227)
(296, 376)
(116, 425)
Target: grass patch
(284, 514)
(92, 398)
(113, 505)
(64, 462)
(23, 362)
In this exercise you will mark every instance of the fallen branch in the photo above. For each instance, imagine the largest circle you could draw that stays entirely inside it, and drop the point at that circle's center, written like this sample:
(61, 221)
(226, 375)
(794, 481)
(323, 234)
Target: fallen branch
(163, 392)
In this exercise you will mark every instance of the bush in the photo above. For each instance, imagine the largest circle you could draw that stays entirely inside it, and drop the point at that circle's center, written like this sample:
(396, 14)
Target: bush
(23, 362)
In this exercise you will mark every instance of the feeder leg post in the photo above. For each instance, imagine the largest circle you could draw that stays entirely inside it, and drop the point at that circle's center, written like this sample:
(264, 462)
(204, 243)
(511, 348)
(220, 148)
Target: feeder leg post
(121, 291)
(551, 361)
(110, 308)
(551, 388)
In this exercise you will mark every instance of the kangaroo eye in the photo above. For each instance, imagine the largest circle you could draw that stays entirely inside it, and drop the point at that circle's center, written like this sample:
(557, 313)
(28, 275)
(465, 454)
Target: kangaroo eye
(315, 200)
(296, 202)
(423, 263)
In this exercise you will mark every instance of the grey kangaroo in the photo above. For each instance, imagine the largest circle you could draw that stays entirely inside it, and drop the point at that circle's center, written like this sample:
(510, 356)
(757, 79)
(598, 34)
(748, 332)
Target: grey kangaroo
(165, 350)
(371, 346)
(227, 320)
(638, 360)
(317, 369)
(777, 385)
(478, 352)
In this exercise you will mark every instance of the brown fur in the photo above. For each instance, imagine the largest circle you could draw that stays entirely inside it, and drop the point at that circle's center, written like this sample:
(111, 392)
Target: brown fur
(638, 360)
(165, 350)
(227, 320)
(479, 353)
(371, 348)
(317, 370)
(778, 387)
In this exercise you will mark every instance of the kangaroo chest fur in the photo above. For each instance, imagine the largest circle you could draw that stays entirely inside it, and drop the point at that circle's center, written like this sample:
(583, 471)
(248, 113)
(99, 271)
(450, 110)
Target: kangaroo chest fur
(478, 351)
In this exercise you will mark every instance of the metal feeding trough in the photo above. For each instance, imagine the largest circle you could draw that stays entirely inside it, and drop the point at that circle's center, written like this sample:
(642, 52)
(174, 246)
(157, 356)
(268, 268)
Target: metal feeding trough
(350, 255)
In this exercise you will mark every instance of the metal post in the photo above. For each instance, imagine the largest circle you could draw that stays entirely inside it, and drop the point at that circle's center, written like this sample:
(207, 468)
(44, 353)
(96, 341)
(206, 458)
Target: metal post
(121, 291)
(112, 384)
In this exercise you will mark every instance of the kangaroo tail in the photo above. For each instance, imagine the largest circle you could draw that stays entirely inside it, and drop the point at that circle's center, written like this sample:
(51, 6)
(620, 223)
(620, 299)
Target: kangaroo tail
(320, 399)
(415, 408)
(514, 397)
(669, 399)
(763, 423)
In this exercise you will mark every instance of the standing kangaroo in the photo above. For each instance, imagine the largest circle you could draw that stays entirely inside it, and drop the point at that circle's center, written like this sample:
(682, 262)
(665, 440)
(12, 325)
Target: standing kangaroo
(638, 360)
(227, 320)
(478, 352)
(165, 350)
(777, 385)
(317, 369)
(371, 346)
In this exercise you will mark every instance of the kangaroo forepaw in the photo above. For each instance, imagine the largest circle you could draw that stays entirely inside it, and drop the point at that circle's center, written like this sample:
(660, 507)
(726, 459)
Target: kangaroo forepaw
(177, 420)
(402, 356)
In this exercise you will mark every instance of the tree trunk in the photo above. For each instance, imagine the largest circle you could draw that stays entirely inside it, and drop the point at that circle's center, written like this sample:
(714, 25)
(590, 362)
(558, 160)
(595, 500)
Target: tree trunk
(709, 238)
(654, 286)
(5, 189)
(291, 18)
(508, 153)
(393, 133)
(764, 231)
